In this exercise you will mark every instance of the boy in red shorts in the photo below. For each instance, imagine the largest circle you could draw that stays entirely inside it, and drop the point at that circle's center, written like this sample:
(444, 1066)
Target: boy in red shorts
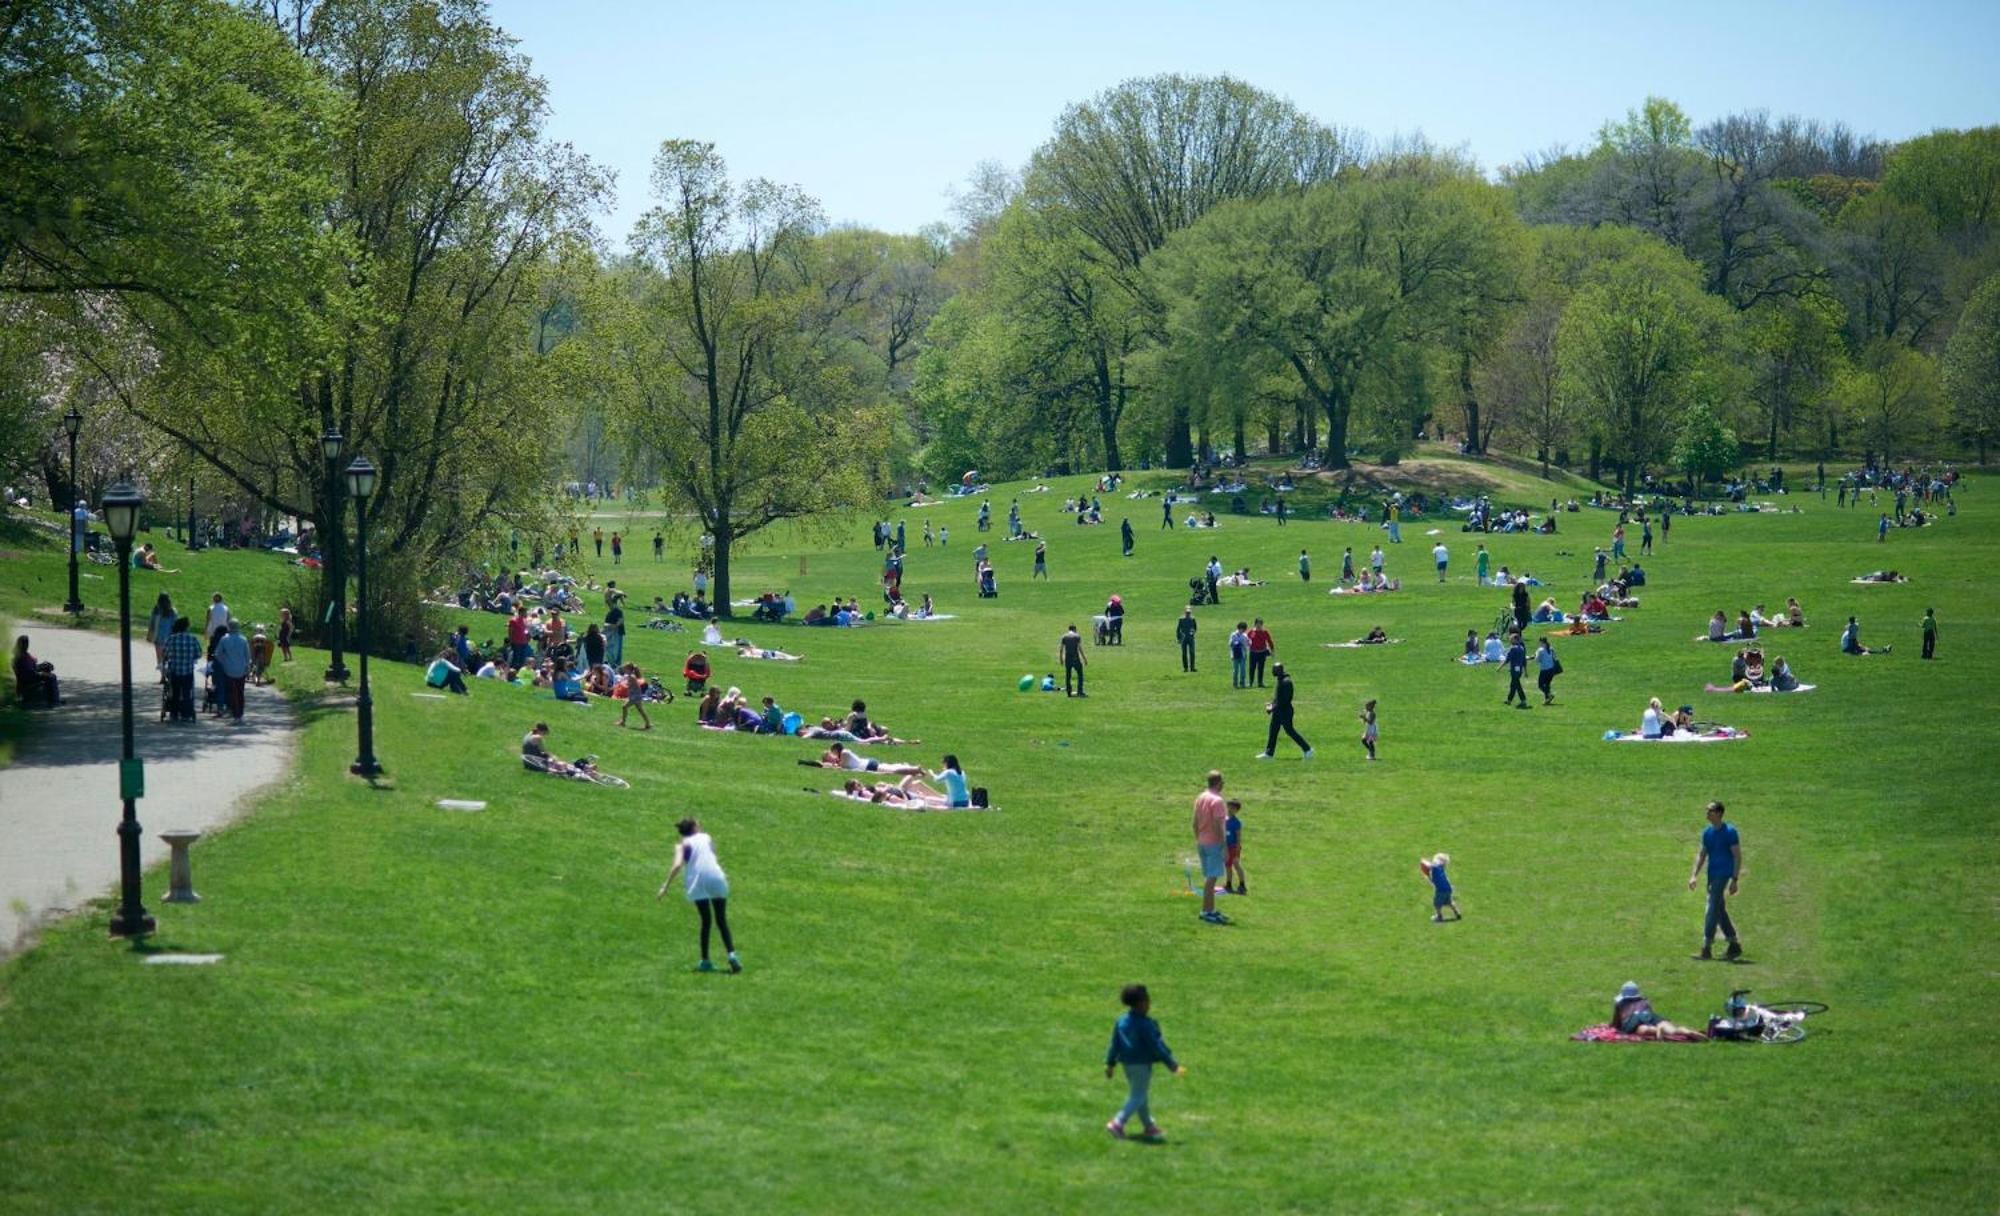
(1232, 855)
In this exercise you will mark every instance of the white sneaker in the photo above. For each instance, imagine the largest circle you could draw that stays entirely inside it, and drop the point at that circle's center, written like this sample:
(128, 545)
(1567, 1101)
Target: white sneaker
(1262, 756)
(1309, 753)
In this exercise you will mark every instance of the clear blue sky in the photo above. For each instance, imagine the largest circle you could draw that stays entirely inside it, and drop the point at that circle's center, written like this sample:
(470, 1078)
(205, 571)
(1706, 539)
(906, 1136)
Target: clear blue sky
(877, 109)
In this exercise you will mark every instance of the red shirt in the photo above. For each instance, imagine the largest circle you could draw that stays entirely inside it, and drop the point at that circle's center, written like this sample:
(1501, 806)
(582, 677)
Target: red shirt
(517, 630)
(1260, 640)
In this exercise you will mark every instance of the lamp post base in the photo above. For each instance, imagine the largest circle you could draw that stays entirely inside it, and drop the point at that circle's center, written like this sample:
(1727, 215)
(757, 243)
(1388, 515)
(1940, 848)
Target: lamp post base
(123, 925)
(337, 675)
(73, 607)
(365, 766)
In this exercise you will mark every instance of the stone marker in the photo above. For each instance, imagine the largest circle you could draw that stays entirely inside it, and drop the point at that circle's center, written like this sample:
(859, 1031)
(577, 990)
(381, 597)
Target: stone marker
(181, 872)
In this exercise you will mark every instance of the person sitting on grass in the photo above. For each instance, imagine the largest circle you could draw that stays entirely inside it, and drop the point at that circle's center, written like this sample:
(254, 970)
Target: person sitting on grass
(837, 756)
(444, 673)
(1471, 654)
(147, 558)
(1594, 607)
(1850, 640)
(535, 755)
(1654, 723)
(1632, 1013)
(1718, 627)
(1782, 679)
(1745, 627)
(1796, 614)
(1377, 636)
(567, 687)
(707, 709)
(1496, 650)
(597, 681)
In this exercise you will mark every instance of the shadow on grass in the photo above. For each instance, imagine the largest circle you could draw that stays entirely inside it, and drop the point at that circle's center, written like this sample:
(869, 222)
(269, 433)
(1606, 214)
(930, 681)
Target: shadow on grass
(86, 728)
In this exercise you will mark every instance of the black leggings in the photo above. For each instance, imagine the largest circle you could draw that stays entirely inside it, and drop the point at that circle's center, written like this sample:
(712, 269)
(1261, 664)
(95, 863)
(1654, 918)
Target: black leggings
(718, 910)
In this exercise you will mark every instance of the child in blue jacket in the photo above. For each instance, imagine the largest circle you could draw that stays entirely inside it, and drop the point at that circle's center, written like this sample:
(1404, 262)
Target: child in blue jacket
(1136, 1043)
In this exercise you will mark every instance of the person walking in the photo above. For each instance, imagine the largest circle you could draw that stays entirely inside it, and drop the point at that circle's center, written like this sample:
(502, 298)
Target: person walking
(1375, 560)
(597, 537)
(1305, 567)
(1210, 834)
(1482, 564)
(218, 616)
(1184, 634)
(1597, 571)
(1137, 1044)
(1370, 729)
(1520, 605)
(159, 627)
(1347, 565)
(1167, 512)
(1666, 523)
(1442, 556)
(1281, 510)
(1069, 651)
(1548, 668)
(1239, 656)
(1645, 536)
(1280, 710)
(232, 659)
(1125, 535)
(1041, 560)
(659, 547)
(707, 888)
(1618, 543)
(1722, 851)
(899, 536)
(1882, 528)
(285, 629)
(617, 548)
(1930, 633)
(1517, 663)
(1261, 648)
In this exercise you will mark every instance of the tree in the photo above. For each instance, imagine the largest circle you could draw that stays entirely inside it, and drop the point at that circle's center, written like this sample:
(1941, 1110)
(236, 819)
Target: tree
(1893, 275)
(1795, 355)
(1706, 449)
(1757, 241)
(1331, 282)
(1954, 176)
(1525, 376)
(1972, 368)
(722, 336)
(1140, 162)
(1893, 394)
(1636, 348)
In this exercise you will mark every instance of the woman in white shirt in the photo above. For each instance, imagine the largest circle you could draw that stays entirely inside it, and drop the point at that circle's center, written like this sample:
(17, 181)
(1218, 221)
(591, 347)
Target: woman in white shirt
(707, 888)
(1649, 722)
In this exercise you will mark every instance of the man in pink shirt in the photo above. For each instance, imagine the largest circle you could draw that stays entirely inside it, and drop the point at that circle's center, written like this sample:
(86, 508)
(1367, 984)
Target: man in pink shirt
(1209, 815)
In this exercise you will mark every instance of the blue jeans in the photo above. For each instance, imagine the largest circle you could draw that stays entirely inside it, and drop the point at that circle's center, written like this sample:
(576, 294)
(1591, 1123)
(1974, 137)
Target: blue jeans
(1139, 1077)
(614, 648)
(1718, 913)
(1239, 671)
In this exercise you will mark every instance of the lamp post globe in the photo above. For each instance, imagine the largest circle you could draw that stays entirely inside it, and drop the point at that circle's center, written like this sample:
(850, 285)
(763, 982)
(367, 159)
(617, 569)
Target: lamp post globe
(333, 552)
(72, 423)
(361, 477)
(121, 506)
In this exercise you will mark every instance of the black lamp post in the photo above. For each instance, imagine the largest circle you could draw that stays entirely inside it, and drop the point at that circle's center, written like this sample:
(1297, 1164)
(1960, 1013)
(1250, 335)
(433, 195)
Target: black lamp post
(361, 484)
(73, 422)
(121, 516)
(336, 568)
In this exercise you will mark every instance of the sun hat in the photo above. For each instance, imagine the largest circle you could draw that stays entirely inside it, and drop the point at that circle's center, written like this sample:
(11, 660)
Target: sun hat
(1630, 990)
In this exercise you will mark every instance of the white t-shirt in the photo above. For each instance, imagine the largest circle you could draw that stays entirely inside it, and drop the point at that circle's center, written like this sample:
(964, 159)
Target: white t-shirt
(848, 760)
(702, 872)
(1649, 723)
(218, 617)
(1440, 554)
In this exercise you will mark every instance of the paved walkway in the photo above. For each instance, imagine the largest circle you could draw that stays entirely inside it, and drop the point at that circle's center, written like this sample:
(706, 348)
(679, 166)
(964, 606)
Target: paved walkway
(59, 806)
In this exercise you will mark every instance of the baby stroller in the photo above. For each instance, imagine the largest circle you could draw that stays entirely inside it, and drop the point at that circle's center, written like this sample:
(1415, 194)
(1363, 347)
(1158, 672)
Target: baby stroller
(1197, 591)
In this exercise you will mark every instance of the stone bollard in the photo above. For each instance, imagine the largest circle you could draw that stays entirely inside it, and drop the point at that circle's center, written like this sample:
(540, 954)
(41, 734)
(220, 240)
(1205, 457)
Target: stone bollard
(182, 873)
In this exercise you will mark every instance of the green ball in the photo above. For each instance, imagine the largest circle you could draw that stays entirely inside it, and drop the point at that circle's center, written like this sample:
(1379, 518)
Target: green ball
(1027, 682)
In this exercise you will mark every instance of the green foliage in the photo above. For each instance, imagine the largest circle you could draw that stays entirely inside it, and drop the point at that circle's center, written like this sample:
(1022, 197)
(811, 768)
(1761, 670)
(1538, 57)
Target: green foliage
(1972, 368)
(1952, 175)
(1706, 449)
(1892, 393)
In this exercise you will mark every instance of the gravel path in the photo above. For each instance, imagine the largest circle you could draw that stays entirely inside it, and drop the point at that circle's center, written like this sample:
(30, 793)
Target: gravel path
(59, 806)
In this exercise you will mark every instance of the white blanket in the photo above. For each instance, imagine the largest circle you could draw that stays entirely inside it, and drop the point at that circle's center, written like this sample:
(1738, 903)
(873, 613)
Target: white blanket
(1360, 645)
(1682, 737)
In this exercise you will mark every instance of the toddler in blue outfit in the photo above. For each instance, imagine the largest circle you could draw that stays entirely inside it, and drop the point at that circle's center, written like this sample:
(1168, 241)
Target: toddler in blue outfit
(1136, 1043)
(1441, 898)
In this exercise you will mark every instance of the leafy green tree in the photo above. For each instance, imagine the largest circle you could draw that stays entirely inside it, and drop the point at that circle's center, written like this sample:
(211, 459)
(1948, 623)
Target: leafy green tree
(724, 339)
(1894, 270)
(1142, 161)
(1795, 356)
(1637, 348)
(1892, 393)
(1330, 282)
(1972, 368)
(1706, 448)
(1954, 176)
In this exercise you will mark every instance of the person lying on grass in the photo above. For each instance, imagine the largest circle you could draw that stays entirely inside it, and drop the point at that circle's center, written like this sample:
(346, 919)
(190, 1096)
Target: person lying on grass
(1881, 576)
(747, 651)
(837, 756)
(910, 791)
(1379, 636)
(1632, 1013)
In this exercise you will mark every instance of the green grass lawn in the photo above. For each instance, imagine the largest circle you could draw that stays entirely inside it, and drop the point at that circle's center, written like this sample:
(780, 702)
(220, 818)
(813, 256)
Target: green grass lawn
(429, 1010)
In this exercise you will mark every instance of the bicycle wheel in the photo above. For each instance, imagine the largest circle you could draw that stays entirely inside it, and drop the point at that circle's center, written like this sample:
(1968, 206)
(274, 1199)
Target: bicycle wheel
(1804, 1007)
(1784, 1032)
(616, 783)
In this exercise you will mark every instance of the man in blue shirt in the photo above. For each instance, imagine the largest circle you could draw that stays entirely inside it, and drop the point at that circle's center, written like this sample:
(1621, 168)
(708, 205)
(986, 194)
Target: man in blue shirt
(1517, 663)
(1723, 854)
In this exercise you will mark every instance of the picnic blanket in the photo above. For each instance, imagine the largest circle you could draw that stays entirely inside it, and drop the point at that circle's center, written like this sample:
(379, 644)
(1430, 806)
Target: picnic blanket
(760, 653)
(1472, 660)
(1359, 591)
(1360, 645)
(1721, 734)
(1727, 637)
(935, 616)
(864, 800)
(1756, 688)
(1605, 1032)
(1874, 582)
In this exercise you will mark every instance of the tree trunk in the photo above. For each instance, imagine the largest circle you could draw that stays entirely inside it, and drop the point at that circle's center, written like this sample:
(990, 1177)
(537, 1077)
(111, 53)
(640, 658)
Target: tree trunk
(1274, 439)
(1596, 457)
(719, 578)
(1336, 432)
(1110, 404)
(1242, 439)
(1180, 450)
(1206, 450)
(1475, 439)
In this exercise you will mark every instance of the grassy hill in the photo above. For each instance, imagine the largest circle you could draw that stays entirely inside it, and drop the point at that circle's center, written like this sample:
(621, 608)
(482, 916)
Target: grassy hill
(426, 1010)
